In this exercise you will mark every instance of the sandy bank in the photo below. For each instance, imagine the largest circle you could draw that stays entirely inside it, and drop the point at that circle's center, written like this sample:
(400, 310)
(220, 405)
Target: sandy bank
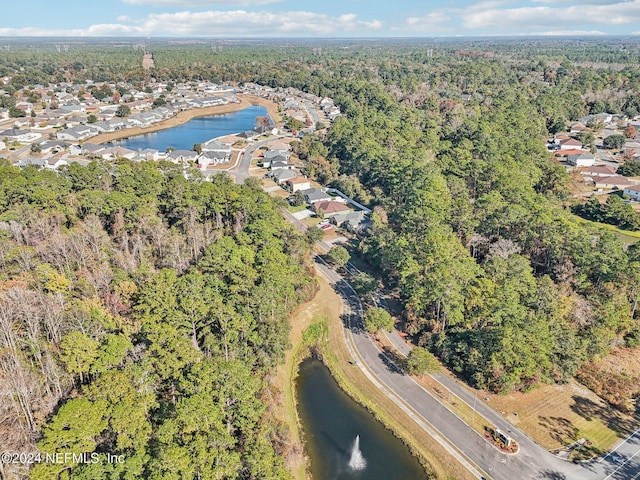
(186, 115)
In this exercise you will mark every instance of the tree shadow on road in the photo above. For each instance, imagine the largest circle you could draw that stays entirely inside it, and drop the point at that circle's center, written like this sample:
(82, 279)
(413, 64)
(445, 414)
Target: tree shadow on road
(394, 362)
(551, 475)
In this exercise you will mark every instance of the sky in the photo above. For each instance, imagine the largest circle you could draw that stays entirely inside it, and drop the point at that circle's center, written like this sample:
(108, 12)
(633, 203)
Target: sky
(318, 18)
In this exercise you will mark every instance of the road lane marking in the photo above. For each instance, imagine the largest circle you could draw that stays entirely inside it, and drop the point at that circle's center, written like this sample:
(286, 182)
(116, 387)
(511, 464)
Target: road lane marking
(631, 435)
(621, 465)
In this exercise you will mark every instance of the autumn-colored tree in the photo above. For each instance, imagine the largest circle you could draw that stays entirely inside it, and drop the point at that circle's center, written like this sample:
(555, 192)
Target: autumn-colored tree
(630, 131)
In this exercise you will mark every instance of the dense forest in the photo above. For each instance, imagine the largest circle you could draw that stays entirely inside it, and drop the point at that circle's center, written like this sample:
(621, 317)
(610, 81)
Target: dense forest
(471, 230)
(141, 312)
(135, 300)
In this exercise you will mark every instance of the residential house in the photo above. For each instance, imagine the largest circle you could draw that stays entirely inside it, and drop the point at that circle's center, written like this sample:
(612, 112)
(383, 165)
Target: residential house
(298, 183)
(212, 158)
(581, 160)
(113, 153)
(102, 126)
(108, 110)
(631, 146)
(26, 107)
(598, 171)
(570, 144)
(51, 147)
(143, 119)
(278, 155)
(577, 127)
(177, 156)
(276, 161)
(632, 192)
(71, 108)
(276, 166)
(248, 134)
(30, 162)
(283, 175)
(222, 150)
(605, 117)
(54, 163)
(152, 154)
(331, 208)
(614, 182)
(567, 153)
(355, 222)
(77, 134)
(91, 149)
(313, 195)
(19, 135)
(110, 125)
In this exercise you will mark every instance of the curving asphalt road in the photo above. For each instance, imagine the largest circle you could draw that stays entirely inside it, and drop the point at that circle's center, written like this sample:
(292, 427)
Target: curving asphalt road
(462, 442)
(471, 449)
(241, 172)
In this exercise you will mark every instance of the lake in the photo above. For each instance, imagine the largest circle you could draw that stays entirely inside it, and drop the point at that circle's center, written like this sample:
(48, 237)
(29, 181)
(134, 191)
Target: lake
(332, 420)
(196, 130)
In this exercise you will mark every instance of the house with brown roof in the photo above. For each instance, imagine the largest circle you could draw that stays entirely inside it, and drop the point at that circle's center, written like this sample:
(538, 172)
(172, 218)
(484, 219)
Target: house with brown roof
(331, 208)
(297, 183)
(577, 127)
(613, 181)
(598, 171)
(567, 153)
(570, 144)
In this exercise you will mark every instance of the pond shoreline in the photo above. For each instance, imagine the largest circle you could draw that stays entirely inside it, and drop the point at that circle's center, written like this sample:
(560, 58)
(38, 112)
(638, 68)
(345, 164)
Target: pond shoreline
(184, 116)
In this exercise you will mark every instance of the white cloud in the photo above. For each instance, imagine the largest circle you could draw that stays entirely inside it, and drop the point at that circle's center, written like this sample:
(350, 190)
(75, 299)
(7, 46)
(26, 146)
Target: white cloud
(583, 2)
(544, 16)
(569, 32)
(193, 3)
(432, 22)
(238, 23)
(433, 18)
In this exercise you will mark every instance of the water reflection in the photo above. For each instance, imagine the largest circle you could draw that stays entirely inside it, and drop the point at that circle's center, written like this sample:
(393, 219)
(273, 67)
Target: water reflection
(342, 439)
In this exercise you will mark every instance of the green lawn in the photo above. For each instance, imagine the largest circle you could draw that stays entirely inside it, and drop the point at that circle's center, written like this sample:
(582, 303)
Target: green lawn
(628, 237)
(294, 209)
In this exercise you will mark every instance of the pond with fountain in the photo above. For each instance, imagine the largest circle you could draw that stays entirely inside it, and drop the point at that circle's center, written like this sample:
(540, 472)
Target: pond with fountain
(342, 439)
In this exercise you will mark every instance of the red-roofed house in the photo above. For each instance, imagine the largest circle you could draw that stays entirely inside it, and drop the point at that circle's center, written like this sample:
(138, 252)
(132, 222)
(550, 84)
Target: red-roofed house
(331, 208)
(570, 144)
(566, 153)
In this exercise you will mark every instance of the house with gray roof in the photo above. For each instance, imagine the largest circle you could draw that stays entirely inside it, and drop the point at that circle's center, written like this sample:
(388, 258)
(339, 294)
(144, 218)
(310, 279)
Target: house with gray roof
(282, 176)
(313, 195)
(212, 158)
(182, 156)
(355, 222)
(30, 162)
(248, 134)
(221, 150)
(91, 148)
(76, 134)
